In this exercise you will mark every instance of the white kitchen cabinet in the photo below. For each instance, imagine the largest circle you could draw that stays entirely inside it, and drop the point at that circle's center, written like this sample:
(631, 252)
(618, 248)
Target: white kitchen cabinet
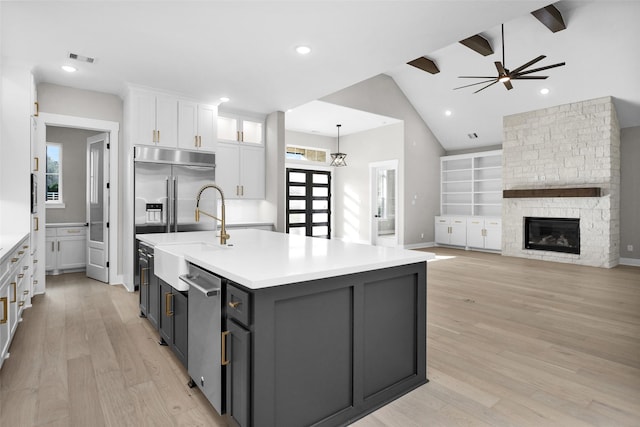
(197, 126)
(451, 230)
(66, 249)
(14, 291)
(154, 118)
(240, 128)
(240, 170)
(484, 233)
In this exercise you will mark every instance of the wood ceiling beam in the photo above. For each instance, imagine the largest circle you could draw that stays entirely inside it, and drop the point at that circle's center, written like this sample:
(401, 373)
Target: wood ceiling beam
(550, 17)
(425, 64)
(478, 44)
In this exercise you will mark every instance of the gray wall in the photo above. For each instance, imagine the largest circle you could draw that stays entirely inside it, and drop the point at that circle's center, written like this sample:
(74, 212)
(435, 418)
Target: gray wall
(68, 101)
(630, 192)
(74, 175)
(422, 151)
(352, 192)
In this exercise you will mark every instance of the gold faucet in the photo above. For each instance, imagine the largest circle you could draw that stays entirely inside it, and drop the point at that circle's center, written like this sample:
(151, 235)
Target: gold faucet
(223, 232)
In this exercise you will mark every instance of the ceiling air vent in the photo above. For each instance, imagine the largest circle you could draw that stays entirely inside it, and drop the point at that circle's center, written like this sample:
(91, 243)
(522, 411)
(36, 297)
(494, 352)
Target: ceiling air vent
(82, 58)
(472, 135)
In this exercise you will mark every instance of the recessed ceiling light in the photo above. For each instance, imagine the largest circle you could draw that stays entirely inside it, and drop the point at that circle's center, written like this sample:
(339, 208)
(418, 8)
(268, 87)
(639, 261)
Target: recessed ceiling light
(303, 50)
(544, 91)
(448, 113)
(224, 99)
(69, 68)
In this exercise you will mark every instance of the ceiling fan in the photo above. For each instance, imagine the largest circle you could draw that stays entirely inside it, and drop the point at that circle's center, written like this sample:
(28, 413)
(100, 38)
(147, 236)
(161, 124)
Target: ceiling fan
(505, 76)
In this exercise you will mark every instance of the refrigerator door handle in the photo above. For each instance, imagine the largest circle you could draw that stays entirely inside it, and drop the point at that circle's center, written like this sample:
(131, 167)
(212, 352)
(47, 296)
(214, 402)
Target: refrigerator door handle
(168, 210)
(175, 203)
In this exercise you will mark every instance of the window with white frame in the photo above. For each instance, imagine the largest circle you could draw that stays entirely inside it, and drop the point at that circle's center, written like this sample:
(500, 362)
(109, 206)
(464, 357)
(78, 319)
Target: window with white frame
(54, 173)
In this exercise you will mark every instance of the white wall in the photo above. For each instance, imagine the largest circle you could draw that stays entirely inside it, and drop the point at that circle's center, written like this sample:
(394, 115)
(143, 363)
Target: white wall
(352, 192)
(16, 148)
(422, 151)
(630, 194)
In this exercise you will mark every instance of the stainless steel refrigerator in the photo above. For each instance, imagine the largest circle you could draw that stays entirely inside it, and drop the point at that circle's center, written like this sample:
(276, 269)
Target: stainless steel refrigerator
(166, 183)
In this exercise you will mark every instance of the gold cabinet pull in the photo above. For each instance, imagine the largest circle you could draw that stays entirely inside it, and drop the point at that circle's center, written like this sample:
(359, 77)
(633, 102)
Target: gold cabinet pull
(3, 300)
(37, 227)
(168, 298)
(37, 166)
(21, 303)
(20, 252)
(223, 349)
(158, 137)
(242, 136)
(20, 276)
(14, 260)
(15, 291)
(195, 142)
(25, 292)
(37, 112)
(234, 304)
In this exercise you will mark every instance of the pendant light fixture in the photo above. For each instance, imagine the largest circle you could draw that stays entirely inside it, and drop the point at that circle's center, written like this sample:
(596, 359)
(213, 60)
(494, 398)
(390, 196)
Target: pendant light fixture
(338, 159)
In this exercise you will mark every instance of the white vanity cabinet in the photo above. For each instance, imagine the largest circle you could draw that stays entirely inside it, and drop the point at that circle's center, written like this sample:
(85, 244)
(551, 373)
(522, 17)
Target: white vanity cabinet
(197, 126)
(154, 118)
(66, 249)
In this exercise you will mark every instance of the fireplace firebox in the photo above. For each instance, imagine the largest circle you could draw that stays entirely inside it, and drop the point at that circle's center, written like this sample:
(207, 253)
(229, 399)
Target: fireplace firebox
(552, 234)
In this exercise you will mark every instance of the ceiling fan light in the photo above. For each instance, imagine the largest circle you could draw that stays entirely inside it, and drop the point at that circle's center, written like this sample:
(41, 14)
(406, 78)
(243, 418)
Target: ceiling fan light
(503, 79)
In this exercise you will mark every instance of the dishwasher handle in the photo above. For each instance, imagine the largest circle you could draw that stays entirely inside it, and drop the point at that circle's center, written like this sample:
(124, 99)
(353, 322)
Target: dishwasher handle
(210, 289)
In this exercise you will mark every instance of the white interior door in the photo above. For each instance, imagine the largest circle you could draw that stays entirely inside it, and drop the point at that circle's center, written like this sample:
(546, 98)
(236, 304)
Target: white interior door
(384, 203)
(98, 207)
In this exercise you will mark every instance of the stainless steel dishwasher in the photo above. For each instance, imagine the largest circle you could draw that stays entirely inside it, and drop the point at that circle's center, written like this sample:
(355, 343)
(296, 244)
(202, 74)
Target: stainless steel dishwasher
(205, 333)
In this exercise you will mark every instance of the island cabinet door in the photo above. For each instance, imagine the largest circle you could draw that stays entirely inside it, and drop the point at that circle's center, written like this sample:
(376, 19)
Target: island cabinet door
(238, 380)
(328, 351)
(153, 295)
(165, 324)
(180, 326)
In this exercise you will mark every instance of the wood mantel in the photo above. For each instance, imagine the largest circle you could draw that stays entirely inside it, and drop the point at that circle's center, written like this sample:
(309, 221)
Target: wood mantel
(552, 192)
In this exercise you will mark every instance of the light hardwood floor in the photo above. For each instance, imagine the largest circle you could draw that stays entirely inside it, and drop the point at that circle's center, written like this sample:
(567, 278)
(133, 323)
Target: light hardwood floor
(511, 342)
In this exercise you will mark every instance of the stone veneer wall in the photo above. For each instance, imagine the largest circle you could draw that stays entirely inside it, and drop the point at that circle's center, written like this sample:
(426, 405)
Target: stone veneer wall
(572, 145)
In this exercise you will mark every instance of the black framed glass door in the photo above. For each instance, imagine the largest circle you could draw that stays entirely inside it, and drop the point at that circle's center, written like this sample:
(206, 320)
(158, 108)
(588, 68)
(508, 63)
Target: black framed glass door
(309, 202)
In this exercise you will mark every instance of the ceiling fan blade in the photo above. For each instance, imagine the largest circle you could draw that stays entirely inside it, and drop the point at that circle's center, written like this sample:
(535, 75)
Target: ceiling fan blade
(560, 64)
(508, 84)
(500, 68)
(528, 64)
(473, 84)
(490, 84)
(476, 77)
(529, 77)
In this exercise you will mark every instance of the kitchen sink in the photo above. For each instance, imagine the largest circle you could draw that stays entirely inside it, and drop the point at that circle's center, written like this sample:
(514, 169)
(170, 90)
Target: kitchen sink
(170, 260)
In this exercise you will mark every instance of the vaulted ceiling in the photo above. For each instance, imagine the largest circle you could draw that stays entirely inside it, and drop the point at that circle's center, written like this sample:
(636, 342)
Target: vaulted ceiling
(246, 50)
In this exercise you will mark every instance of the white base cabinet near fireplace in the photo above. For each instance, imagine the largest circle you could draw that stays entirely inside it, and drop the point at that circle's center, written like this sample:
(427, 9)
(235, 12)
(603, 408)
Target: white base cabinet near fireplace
(484, 233)
(451, 230)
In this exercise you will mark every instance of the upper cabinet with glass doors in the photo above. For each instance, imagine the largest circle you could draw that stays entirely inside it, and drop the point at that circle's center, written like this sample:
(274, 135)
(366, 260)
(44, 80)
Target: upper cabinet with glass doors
(235, 128)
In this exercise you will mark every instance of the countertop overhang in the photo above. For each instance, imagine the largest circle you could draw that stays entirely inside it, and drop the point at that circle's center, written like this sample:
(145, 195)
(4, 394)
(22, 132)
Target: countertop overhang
(260, 259)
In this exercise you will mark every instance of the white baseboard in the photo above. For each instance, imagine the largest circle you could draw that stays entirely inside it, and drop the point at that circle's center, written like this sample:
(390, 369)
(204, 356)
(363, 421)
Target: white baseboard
(635, 262)
(420, 245)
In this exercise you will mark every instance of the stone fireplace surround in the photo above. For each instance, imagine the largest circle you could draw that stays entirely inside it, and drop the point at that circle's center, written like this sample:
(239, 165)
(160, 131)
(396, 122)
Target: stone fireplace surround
(572, 145)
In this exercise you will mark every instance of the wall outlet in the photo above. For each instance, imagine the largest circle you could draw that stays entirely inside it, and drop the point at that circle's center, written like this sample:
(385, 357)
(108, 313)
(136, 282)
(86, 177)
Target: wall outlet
(630, 248)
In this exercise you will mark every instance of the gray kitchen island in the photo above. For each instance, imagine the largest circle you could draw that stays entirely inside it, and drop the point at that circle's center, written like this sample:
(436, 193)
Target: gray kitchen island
(311, 331)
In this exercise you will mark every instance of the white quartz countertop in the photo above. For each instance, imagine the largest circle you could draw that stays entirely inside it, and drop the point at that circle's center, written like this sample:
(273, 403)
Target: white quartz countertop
(259, 259)
(8, 243)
